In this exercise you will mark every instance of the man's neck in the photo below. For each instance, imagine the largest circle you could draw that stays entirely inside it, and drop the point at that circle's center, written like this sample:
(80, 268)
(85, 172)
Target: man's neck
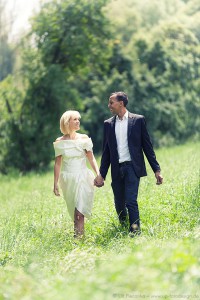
(122, 113)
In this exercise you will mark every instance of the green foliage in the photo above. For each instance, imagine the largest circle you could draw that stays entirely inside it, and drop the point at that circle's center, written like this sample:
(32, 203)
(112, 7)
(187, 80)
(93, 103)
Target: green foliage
(71, 34)
(41, 260)
(66, 36)
(6, 58)
(78, 52)
(167, 84)
(159, 69)
(165, 66)
(96, 106)
(10, 108)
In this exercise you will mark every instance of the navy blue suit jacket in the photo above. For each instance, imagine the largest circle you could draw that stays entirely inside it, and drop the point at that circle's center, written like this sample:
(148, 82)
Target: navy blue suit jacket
(138, 142)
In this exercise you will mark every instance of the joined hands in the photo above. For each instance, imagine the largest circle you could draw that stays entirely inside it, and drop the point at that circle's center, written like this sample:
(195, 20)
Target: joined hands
(99, 181)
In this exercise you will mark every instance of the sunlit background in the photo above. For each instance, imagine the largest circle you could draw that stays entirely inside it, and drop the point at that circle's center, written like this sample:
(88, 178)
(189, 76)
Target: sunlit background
(19, 12)
(72, 55)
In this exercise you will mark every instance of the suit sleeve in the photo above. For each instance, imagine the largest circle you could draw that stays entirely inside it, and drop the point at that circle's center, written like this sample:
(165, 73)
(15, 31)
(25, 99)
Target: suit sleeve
(105, 159)
(148, 147)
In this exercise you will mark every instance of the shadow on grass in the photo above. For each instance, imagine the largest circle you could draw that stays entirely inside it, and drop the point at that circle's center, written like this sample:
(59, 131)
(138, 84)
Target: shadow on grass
(102, 232)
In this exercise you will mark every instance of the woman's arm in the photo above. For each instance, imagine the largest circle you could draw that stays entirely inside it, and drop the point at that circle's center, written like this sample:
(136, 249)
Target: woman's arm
(92, 161)
(57, 166)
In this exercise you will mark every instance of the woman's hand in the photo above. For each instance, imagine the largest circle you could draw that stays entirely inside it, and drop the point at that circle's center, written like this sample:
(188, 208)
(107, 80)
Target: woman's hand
(56, 190)
(99, 181)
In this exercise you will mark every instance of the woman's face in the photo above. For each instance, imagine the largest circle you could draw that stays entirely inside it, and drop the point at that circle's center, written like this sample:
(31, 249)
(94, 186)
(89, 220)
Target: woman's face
(74, 123)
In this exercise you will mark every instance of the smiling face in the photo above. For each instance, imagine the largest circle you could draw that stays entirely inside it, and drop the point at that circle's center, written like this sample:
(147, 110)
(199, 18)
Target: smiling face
(74, 123)
(114, 105)
(70, 122)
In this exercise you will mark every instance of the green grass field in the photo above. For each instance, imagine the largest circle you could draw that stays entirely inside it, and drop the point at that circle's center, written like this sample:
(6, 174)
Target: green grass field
(41, 260)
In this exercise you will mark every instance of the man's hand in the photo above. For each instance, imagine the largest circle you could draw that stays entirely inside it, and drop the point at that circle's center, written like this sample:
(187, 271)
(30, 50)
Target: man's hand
(159, 177)
(56, 190)
(99, 181)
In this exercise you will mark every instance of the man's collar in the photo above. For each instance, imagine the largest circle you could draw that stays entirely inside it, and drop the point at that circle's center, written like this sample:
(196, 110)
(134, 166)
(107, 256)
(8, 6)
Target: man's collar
(125, 116)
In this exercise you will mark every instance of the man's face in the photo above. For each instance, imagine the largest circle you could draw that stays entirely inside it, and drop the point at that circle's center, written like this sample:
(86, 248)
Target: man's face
(114, 105)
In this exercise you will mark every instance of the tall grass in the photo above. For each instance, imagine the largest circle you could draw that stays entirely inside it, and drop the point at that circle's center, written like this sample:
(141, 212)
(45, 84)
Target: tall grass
(41, 260)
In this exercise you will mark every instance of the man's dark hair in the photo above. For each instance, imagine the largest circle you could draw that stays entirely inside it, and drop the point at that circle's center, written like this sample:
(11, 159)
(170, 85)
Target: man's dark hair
(121, 96)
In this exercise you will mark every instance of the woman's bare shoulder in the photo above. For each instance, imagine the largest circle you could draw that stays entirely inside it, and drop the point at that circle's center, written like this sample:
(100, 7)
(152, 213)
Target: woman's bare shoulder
(59, 139)
(82, 136)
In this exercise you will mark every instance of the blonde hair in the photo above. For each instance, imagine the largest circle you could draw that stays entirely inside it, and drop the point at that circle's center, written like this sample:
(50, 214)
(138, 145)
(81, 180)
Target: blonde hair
(64, 120)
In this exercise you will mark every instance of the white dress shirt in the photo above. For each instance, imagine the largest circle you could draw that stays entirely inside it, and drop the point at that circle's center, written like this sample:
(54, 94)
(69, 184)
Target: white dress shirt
(121, 132)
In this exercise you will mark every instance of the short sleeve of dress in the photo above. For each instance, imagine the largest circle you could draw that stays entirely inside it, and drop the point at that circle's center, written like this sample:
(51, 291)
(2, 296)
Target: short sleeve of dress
(88, 145)
(58, 148)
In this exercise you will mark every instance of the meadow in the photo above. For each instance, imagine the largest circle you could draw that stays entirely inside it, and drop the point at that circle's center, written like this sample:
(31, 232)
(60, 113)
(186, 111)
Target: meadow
(40, 259)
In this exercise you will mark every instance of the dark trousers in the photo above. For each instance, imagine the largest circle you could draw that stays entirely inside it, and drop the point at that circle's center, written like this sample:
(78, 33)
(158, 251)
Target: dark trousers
(125, 189)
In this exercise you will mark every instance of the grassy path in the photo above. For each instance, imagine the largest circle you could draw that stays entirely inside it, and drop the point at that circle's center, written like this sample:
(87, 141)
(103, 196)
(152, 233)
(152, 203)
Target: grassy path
(39, 258)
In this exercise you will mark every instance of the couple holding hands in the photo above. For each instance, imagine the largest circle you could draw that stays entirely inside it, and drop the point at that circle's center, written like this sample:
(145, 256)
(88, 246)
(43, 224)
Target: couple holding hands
(125, 141)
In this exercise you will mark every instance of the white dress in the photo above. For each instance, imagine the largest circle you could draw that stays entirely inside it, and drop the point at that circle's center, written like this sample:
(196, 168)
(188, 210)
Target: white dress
(76, 180)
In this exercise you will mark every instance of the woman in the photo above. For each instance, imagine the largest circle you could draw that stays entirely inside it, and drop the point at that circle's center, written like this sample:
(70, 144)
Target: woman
(76, 180)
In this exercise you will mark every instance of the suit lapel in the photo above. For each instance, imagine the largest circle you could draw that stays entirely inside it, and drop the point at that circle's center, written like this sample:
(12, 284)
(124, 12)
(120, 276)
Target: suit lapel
(113, 130)
(130, 123)
(113, 136)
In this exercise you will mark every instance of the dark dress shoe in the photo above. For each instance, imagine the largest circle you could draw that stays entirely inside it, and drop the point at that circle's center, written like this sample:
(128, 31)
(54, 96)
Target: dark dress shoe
(134, 230)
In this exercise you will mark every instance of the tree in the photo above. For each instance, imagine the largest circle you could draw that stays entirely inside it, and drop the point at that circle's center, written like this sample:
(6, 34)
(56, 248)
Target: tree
(165, 88)
(66, 37)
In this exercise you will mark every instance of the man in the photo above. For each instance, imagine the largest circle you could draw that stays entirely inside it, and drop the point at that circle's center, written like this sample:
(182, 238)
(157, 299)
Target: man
(125, 139)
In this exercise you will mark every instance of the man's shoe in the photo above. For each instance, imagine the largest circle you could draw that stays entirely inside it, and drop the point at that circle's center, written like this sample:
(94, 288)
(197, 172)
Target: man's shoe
(134, 230)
